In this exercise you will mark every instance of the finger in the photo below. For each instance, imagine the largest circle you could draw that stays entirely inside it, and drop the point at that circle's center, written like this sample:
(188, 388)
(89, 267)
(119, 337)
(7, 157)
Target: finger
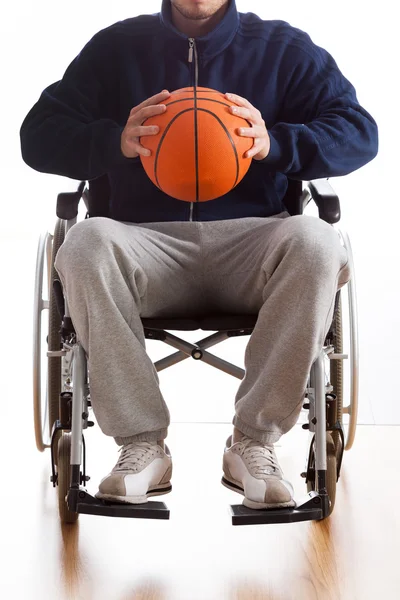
(239, 100)
(132, 148)
(151, 101)
(151, 111)
(252, 132)
(145, 113)
(254, 150)
(156, 99)
(143, 130)
(245, 113)
(141, 149)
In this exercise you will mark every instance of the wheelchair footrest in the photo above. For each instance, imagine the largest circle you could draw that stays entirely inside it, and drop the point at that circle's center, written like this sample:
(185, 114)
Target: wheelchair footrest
(309, 509)
(89, 505)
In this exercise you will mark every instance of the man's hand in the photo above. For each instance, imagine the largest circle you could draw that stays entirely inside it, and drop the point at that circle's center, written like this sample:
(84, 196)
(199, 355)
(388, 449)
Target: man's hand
(134, 129)
(258, 131)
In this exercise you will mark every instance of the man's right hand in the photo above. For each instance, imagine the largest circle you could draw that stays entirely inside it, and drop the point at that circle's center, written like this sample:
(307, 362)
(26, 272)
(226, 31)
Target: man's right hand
(134, 128)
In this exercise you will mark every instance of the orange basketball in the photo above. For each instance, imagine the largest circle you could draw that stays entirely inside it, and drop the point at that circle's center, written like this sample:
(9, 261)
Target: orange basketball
(197, 154)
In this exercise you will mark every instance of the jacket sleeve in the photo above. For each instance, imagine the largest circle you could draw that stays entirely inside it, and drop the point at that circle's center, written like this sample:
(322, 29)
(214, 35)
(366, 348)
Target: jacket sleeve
(322, 131)
(69, 131)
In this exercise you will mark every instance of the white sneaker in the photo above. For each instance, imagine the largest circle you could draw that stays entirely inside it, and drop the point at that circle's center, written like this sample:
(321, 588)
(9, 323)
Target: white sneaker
(252, 469)
(142, 470)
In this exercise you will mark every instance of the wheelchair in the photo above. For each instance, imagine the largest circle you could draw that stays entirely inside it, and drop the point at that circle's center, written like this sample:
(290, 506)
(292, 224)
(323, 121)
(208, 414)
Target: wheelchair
(61, 391)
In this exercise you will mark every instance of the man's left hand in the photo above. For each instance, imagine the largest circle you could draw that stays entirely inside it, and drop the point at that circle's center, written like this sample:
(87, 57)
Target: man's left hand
(258, 130)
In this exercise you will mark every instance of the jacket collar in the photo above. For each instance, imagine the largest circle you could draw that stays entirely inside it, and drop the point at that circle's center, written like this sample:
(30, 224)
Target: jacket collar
(209, 45)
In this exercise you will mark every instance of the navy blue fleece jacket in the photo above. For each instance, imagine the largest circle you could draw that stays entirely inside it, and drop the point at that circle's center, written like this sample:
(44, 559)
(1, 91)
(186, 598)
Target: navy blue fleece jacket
(316, 125)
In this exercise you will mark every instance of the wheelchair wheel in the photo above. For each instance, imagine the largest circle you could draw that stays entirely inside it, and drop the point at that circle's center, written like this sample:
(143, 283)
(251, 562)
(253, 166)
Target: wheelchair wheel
(46, 386)
(64, 478)
(54, 339)
(347, 414)
(41, 303)
(331, 471)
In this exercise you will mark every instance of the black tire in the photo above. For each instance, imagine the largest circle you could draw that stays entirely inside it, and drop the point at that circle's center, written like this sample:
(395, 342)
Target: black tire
(331, 472)
(64, 478)
(336, 373)
(54, 337)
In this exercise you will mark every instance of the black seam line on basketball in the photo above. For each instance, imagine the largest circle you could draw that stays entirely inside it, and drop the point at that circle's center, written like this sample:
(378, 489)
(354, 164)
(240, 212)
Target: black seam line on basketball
(196, 143)
(196, 85)
(161, 141)
(171, 123)
(208, 100)
(199, 92)
(201, 99)
(207, 91)
(229, 138)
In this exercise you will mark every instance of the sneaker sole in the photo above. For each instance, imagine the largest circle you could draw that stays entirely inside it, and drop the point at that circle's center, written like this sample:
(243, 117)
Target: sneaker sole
(236, 487)
(165, 488)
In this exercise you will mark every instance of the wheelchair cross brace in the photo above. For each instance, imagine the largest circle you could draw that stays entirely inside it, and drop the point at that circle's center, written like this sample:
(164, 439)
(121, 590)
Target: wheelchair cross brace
(196, 350)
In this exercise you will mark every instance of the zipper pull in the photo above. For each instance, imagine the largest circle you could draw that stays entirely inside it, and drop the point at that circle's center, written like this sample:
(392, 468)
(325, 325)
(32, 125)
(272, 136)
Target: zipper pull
(191, 45)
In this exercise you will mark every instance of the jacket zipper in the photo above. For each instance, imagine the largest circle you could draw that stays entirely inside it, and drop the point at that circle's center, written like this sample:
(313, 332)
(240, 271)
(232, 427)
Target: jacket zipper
(193, 52)
(191, 46)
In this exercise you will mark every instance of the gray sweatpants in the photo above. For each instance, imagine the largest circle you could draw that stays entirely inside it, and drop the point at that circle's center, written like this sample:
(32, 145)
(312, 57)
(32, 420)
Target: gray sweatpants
(286, 269)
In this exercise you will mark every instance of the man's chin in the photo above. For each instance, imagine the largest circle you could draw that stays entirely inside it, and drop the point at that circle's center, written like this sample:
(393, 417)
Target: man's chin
(194, 15)
(198, 17)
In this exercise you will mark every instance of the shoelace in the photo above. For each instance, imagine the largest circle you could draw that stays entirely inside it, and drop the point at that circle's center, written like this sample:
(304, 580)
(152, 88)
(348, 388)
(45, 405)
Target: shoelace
(133, 455)
(260, 459)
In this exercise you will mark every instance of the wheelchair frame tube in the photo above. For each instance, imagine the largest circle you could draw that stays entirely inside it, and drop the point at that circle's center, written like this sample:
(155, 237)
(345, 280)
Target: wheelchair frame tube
(191, 350)
(320, 413)
(79, 375)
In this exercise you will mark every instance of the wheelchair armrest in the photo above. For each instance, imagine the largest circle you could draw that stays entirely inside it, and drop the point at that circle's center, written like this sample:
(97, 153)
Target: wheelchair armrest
(68, 202)
(325, 198)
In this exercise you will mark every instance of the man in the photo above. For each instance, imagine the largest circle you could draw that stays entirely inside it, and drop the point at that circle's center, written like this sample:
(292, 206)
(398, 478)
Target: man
(241, 253)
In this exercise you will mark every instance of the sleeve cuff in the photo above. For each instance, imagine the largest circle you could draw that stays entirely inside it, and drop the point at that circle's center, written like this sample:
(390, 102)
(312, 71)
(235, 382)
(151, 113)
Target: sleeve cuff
(115, 158)
(112, 157)
(275, 155)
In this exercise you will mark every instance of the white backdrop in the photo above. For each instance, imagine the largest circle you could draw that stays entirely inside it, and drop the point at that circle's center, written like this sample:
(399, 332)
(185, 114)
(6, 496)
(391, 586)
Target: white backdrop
(40, 38)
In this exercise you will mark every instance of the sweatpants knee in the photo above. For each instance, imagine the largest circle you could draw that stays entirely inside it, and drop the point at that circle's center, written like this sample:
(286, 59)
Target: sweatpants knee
(315, 241)
(85, 244)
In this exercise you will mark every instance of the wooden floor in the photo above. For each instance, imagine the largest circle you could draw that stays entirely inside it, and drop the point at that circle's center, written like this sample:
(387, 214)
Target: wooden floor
(198, 555)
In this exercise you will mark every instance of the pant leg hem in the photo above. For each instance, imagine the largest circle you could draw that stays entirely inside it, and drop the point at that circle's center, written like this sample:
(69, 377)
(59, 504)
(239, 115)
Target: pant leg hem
(265, 437)
(150, 436)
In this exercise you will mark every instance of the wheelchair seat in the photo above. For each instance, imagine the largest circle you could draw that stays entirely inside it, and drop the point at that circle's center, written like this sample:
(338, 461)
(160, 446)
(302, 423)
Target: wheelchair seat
(210, 323)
